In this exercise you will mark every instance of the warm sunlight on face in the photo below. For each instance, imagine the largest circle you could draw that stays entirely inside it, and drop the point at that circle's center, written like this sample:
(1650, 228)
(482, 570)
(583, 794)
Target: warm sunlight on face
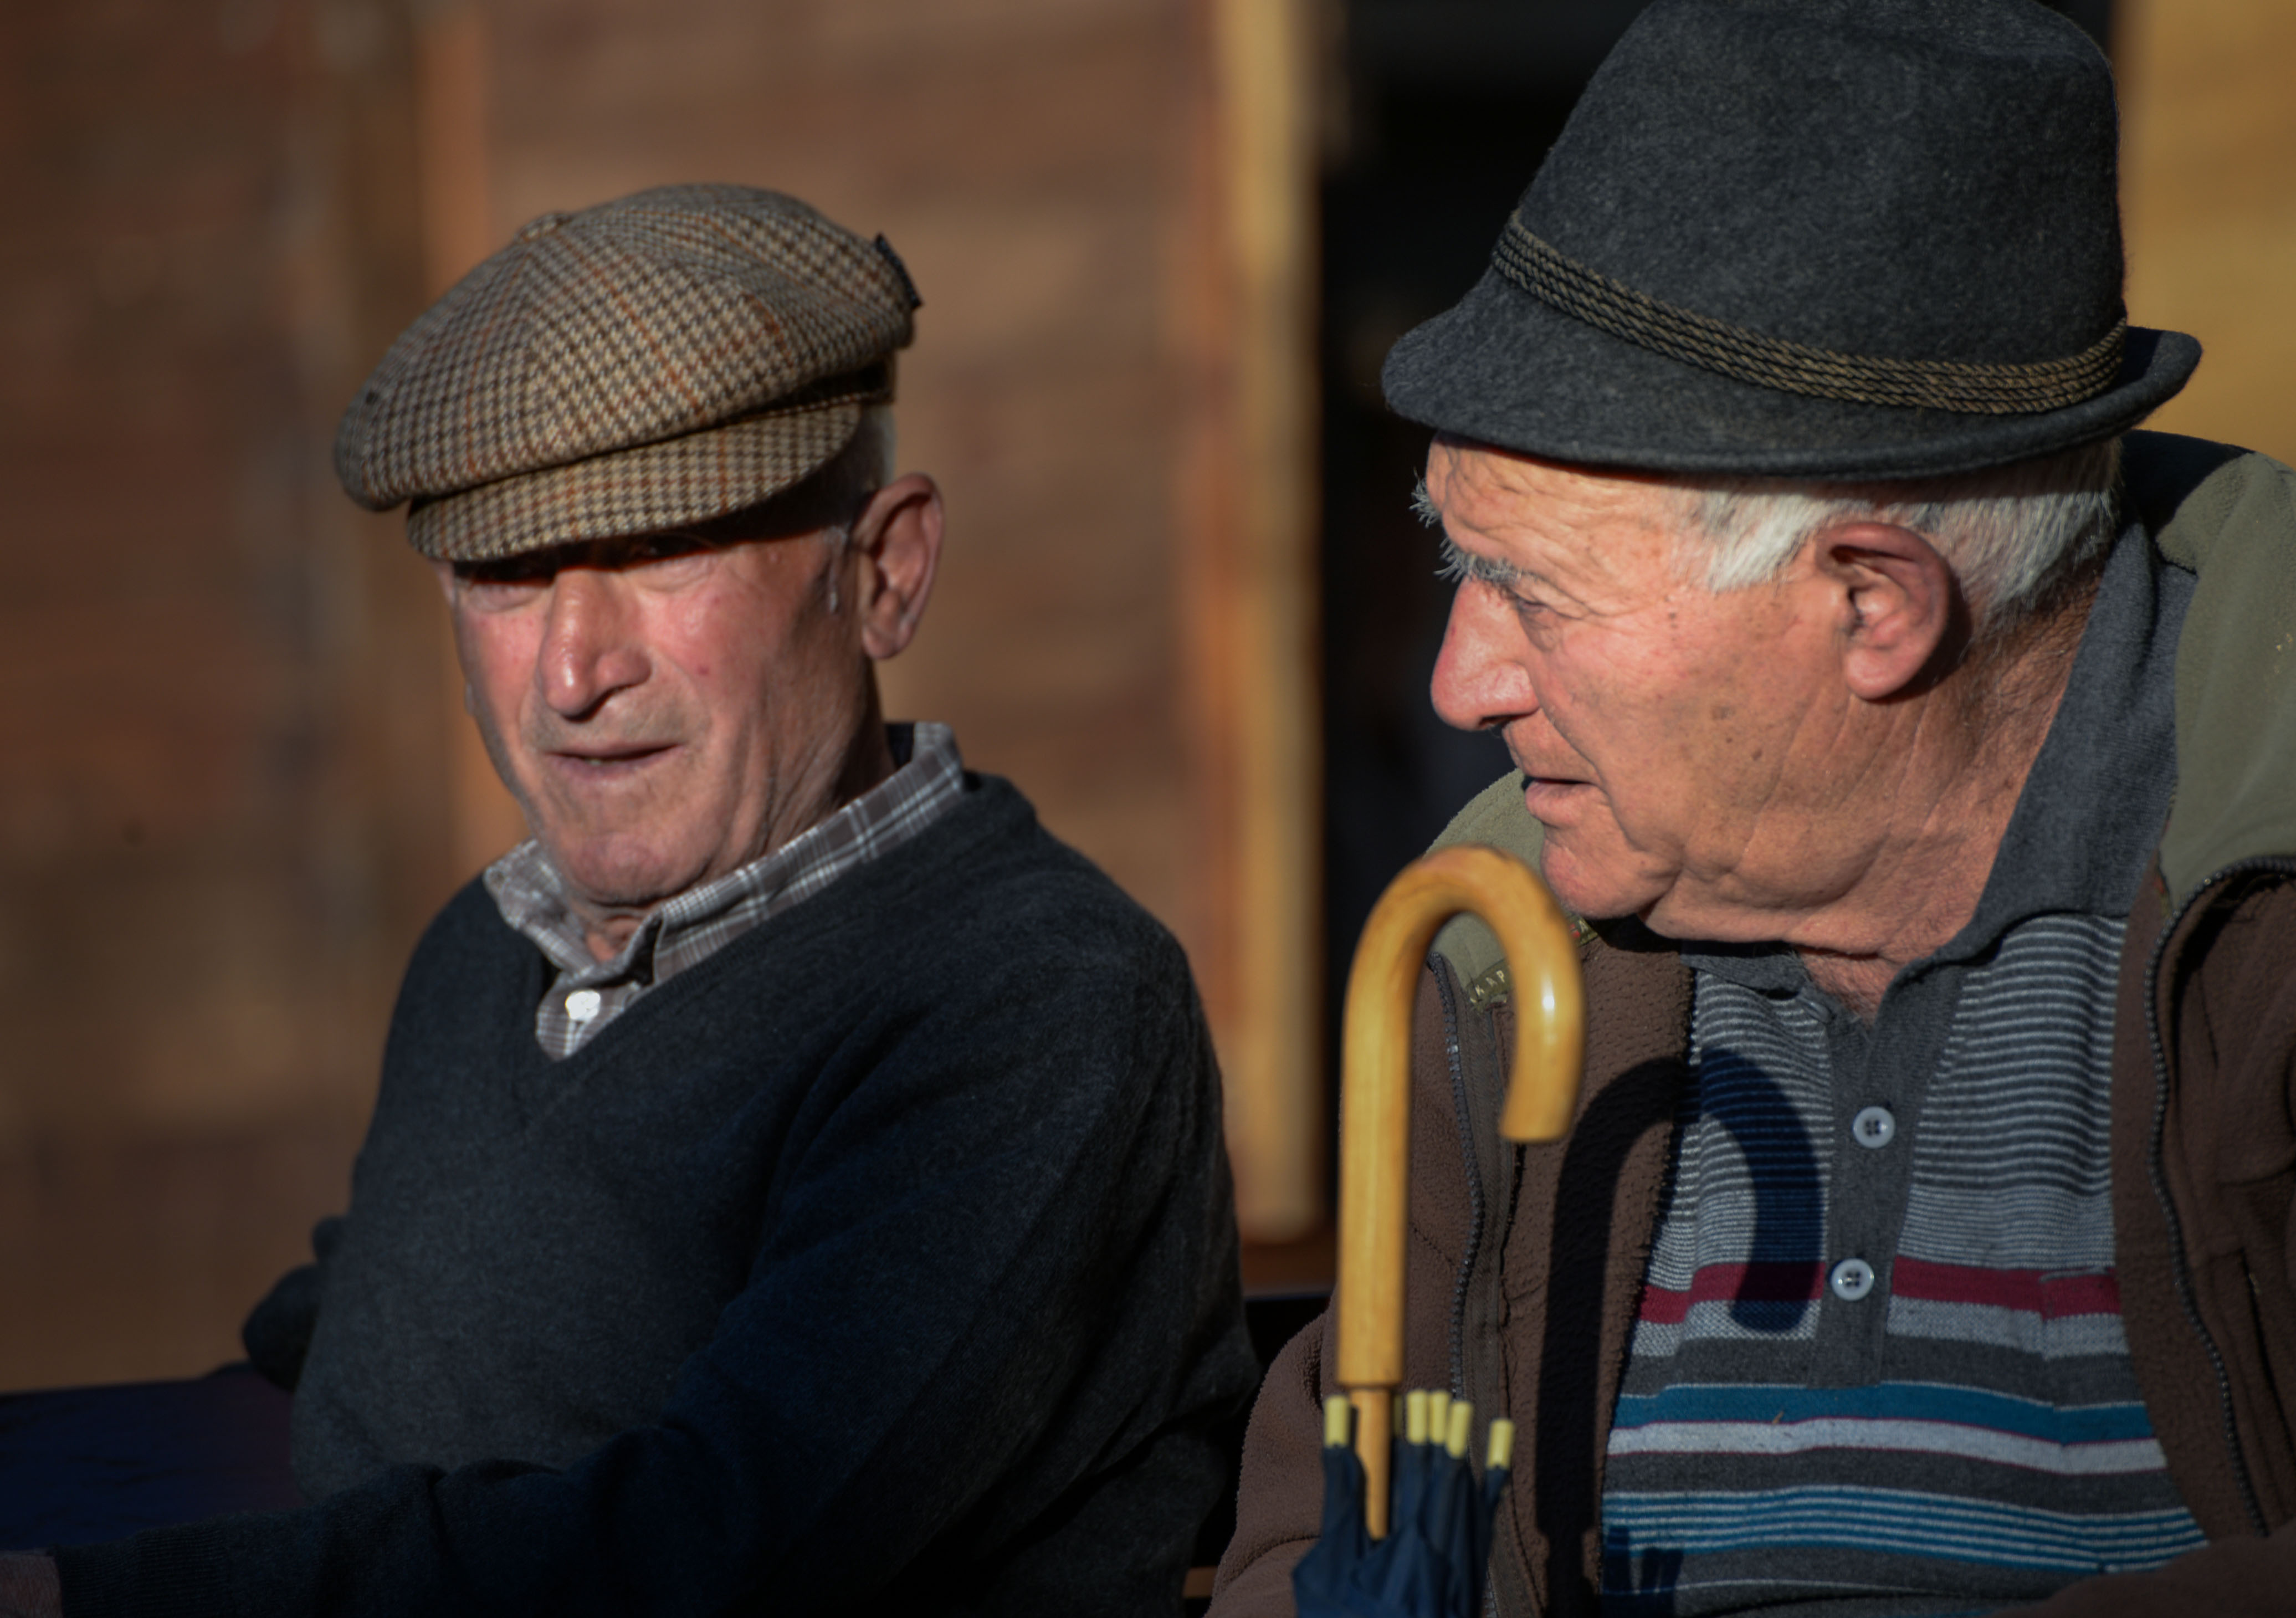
(1672, 738)
(663, 710)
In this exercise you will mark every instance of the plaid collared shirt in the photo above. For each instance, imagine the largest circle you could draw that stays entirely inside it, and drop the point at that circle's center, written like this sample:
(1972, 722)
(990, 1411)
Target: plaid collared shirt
(588, 993)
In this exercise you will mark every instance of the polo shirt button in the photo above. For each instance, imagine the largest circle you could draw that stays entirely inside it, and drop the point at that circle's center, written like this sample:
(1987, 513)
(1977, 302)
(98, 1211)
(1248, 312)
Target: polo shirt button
(1852, 1279)
(583, 1004)
(1876, 1126)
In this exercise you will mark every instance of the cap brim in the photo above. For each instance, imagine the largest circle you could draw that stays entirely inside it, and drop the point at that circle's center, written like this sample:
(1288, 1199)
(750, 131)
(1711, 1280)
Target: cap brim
(647, 489)
(1503, 368)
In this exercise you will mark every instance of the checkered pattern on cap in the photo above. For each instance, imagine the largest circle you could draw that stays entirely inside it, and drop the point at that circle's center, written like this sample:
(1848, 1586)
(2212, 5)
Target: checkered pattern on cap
(654, 361)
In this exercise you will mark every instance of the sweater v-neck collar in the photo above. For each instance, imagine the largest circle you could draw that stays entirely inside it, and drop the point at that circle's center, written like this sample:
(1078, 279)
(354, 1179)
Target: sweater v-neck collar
(540, 1081)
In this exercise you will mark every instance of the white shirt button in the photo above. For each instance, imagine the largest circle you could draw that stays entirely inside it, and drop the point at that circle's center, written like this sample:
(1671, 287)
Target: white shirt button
(583, 1004)
(1852, 1279)
(1874, 1126)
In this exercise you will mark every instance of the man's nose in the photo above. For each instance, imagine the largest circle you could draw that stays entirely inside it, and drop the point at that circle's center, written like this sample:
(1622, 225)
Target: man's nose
(590, 649)
(1480, 680)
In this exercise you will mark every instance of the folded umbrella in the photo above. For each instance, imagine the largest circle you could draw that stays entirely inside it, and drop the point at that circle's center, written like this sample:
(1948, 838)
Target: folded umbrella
(1407, 1528)
(1432, 1561)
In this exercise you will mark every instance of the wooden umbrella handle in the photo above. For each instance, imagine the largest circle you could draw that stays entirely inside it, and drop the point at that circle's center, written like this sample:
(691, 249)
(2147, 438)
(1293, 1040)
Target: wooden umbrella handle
(1375, 1097)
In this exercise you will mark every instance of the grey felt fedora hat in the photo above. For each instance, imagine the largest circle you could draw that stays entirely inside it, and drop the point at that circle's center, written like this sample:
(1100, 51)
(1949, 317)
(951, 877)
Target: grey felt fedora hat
(1822, 239)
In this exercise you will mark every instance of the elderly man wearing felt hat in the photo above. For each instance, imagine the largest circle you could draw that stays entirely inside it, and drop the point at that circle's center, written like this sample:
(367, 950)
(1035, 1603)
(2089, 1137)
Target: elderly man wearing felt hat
(797, 1183)
(1917, 742)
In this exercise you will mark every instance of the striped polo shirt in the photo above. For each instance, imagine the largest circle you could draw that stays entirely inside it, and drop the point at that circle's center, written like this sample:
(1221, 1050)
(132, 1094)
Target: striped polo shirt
(1879, 1365)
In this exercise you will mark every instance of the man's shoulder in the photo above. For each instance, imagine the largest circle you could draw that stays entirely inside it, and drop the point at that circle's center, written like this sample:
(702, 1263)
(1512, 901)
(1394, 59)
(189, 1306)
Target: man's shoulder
(985, 932)
(2198, 499)
(986, 887)
(468, 934)
(2229, 516)
(1498, 817)
(1494, 818)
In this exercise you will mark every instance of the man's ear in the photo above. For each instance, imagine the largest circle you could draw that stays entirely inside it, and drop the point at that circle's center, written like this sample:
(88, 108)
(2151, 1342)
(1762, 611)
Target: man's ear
(1904, 619)
(897, 550)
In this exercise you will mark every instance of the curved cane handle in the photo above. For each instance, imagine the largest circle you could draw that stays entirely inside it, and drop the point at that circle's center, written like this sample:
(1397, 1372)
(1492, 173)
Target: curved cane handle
(1375, 1097)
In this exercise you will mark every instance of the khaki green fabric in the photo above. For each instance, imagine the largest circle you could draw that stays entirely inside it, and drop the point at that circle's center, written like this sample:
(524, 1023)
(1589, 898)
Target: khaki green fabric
(1496, 816)
(2237, 664)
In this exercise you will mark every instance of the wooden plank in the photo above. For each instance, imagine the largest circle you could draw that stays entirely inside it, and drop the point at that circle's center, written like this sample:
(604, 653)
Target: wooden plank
(1251, 597)
(2208, 191)
(452, 159)
(236, 756)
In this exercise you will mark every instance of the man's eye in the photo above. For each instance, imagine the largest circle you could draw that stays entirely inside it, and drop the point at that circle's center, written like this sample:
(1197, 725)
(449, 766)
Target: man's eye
(662, 555)
(663, 558)
(501, 592)
(1528, 609)
(671, 570)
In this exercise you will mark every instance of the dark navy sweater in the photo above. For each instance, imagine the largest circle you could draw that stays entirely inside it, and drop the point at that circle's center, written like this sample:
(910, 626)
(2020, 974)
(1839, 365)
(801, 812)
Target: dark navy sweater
(883, 1261)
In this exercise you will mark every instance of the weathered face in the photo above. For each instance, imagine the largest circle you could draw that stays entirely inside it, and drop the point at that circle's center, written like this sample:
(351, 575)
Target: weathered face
(1680, 743)
(664, 711)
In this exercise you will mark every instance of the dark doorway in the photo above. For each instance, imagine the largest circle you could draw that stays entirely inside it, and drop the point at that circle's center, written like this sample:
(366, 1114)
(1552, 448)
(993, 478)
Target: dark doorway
(1447, 108)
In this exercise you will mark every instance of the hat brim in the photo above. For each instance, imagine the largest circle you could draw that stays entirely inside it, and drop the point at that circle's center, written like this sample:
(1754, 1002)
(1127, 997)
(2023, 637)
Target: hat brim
(1503, 368)
(648, 489)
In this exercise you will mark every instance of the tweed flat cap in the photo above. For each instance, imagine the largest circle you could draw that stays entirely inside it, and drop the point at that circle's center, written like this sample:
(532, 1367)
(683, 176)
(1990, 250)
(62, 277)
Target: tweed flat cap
(1819, 239)
(645, 363)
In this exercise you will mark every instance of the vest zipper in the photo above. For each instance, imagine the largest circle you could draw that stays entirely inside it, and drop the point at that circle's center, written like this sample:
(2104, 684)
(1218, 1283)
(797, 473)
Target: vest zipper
(1464, 1115)
(2155, 1170)
(1461, 1283)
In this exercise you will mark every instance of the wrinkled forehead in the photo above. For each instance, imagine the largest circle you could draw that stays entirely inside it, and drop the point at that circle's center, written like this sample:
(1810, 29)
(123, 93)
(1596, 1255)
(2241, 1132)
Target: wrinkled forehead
(1488, 496)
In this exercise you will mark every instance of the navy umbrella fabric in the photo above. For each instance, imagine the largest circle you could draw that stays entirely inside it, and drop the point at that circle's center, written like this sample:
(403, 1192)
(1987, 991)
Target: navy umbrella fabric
(1432, 1562)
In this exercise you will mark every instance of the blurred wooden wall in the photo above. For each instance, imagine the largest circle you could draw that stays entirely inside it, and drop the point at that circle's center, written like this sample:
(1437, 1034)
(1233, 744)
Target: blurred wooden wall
(219, 824)
(236, 778)
(2208, 194)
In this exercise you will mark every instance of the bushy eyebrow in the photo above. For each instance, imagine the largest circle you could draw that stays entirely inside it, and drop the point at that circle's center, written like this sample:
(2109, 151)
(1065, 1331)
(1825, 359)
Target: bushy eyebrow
(1454, 564)
(1423, 504)
(1461, 566)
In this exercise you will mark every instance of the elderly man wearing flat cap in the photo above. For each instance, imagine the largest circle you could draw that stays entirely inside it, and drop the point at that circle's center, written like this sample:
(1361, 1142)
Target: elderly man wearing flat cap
(1917, 744)
(797, 1181)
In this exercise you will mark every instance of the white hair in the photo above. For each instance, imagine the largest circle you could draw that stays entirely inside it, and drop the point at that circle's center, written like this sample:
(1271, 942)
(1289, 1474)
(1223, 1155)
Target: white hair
(844, 483)
(2012, 535)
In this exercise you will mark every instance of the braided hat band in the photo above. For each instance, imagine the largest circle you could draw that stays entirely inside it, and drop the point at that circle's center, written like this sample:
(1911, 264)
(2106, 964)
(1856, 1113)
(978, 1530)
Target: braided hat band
(1777, 363)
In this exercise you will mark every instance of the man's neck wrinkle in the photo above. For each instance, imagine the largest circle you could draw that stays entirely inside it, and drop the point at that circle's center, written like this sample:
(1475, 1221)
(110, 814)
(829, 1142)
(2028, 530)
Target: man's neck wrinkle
(1925, 869)
(869, 762)
(1948, 804)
